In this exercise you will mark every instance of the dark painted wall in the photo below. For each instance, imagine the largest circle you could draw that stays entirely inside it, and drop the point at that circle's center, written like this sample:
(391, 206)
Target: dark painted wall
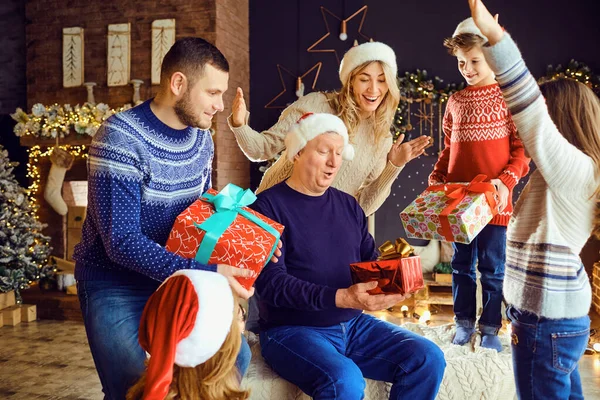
(548, 32)
(12, 78)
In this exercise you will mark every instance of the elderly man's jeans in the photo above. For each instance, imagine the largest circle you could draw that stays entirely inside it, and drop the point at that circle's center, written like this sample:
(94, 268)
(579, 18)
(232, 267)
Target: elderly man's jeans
(546, 354)
(111, 314)
(489, 248)
(332, 362)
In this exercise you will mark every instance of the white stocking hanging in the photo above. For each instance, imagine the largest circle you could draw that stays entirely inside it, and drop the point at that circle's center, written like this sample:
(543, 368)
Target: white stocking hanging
(61, 160)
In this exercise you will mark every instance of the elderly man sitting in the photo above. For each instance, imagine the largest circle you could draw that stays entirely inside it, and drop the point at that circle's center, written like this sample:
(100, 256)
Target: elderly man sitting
(313, 332)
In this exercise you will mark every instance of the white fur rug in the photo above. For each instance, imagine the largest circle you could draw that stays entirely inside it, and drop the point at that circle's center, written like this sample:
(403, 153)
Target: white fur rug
(472, 372)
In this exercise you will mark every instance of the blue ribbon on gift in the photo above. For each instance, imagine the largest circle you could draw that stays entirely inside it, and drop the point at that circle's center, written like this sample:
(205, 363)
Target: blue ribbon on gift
(228, 203)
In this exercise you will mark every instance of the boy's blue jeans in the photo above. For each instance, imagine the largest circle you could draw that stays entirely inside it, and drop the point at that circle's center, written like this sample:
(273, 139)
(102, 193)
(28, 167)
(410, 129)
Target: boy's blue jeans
(332, 362)
(489, 248)
(546, 354)
(111, 313)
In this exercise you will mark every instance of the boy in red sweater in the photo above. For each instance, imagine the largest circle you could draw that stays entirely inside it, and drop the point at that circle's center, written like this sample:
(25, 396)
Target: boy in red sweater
(480, 138)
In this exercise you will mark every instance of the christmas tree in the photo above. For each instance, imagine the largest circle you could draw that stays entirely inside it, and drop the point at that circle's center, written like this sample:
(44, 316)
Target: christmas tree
(23, 248)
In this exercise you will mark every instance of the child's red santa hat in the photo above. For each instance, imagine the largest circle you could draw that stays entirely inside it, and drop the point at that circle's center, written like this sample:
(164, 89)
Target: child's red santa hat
(311, 125)
(185, 322)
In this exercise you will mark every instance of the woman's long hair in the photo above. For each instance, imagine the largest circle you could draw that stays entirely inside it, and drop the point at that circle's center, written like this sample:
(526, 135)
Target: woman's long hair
(215, 379)
(347, 109)
(575, 110)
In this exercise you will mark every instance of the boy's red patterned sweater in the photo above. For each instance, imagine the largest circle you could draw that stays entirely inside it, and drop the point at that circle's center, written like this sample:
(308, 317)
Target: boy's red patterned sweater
(481, 138)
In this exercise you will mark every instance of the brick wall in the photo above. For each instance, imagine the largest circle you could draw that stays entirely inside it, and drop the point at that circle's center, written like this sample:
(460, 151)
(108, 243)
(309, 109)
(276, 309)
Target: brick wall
(44, 43)
(47, 18)
(233, 40)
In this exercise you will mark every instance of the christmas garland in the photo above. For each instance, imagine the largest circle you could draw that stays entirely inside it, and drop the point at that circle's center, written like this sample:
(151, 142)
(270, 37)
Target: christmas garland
(58, 121)
(574, 70)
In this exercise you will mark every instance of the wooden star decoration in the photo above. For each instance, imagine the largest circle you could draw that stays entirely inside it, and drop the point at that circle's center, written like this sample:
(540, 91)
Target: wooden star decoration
(299, 83)
(344, 22)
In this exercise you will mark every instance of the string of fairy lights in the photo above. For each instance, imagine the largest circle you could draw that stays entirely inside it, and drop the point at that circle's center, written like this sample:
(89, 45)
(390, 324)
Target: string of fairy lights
(35, 154)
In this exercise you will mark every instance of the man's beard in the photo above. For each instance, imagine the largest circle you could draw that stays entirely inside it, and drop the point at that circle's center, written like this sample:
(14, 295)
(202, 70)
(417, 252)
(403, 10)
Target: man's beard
(183, 109)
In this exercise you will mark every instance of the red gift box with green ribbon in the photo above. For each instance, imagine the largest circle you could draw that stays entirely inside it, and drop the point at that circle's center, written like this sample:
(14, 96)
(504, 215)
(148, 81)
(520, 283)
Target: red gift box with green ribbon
(453, 212)
(219, 228)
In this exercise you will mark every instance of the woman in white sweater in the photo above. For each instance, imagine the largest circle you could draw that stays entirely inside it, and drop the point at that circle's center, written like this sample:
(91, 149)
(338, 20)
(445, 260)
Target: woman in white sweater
(546, 286)
(366, 103)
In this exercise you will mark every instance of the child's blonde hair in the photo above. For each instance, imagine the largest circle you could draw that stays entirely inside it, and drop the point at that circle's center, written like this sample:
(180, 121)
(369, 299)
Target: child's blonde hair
(575, 110)
(215, 379)
(463, 41)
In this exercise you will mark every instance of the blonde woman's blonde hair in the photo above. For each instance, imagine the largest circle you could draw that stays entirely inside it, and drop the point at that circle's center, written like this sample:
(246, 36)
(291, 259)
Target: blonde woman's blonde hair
(215, 379)
(575, 110)
(347, 109)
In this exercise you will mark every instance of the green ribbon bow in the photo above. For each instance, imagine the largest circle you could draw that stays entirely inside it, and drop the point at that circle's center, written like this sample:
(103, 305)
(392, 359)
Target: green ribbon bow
(229, 202)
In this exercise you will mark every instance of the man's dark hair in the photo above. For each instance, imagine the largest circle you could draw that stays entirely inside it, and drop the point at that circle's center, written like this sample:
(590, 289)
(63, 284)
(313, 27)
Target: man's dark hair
(189, 56)
(464, 41)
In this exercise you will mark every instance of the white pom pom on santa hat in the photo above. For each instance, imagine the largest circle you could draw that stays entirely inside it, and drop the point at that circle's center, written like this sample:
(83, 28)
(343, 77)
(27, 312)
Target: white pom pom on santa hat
(311, 125)
(468, 26)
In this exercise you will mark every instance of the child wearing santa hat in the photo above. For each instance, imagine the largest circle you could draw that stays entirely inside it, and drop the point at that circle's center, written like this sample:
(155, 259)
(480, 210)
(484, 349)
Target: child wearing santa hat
(189, 330)
(480, 138)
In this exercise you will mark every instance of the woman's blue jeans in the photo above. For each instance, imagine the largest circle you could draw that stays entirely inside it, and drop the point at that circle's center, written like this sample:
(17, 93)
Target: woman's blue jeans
(546, 355)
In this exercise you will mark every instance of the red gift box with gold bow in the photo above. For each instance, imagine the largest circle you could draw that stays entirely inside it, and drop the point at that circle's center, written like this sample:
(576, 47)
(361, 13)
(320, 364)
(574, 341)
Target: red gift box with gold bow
(397, 270)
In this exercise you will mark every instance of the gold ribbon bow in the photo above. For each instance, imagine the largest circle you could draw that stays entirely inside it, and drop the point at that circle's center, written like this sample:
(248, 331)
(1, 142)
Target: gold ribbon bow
(400, 249)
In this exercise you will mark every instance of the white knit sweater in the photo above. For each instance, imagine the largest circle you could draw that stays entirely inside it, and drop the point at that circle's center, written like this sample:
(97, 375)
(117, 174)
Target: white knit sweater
(368, 177)
(554, 215)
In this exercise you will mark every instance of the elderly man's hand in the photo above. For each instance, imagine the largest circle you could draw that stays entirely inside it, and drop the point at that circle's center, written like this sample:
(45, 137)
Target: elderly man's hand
(357, 296)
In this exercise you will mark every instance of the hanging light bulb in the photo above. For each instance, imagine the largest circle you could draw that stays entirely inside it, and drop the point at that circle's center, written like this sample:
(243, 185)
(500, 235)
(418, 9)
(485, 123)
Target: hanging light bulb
(404, 310)
(596, 347)
(343, 34)
(425, 318)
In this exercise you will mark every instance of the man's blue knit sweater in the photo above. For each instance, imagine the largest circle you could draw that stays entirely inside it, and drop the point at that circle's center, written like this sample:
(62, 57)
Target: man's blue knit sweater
(141, 175)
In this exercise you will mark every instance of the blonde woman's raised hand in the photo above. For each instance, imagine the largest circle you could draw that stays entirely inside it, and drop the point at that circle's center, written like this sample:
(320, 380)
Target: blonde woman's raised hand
(486, 22)
(238, 109)
(401, 153)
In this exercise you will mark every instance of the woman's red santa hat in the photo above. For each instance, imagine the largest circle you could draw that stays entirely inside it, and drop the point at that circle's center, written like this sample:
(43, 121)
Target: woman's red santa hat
(185, 322)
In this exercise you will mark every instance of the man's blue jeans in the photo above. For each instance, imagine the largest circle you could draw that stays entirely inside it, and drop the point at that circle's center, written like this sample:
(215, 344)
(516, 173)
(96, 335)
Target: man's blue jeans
(111, 314)
(332, 362)
(546, 355)
(489, 248)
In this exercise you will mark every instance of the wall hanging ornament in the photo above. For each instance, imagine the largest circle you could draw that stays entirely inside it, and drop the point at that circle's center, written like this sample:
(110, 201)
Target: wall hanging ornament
(343, 30)
(118, 54)
(72, 57)
(429, 94)
(300, 87)
(163, 37)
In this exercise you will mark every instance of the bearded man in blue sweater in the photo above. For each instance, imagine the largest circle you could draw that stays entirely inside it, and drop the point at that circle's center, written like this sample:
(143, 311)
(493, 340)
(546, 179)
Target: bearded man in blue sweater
(146, 165)
(313, 332)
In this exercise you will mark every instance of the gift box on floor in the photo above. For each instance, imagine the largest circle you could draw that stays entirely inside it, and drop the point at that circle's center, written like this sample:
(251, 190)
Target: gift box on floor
(454, 212)
(397, 270)
(218, 228)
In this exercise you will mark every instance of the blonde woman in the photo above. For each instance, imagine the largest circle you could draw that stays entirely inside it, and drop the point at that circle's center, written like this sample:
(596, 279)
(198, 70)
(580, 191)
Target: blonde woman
(366, 103)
